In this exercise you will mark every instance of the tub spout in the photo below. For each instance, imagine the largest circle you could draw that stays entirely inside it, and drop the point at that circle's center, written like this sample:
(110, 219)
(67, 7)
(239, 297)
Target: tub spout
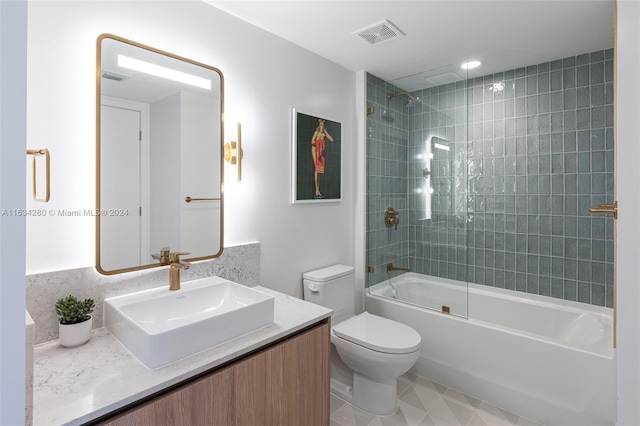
(391, 268)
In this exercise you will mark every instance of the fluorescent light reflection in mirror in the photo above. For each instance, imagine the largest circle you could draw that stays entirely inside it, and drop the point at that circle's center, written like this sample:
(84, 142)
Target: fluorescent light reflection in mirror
(497, 87)
(427, 191)
(430, 150)
(164, 72)
(440, 146)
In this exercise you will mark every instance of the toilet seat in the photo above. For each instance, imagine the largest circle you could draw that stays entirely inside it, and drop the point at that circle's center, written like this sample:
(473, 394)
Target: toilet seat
(378, 334)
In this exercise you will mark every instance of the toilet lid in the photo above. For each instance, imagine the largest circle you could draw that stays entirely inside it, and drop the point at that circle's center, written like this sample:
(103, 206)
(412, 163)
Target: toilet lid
(379, 334)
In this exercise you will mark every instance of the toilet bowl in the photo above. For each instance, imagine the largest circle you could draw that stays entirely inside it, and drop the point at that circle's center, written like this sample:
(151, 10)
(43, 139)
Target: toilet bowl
(377, 350)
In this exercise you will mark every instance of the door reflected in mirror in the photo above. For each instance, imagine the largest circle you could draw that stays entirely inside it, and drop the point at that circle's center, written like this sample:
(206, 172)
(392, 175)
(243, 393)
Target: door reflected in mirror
(159, 143)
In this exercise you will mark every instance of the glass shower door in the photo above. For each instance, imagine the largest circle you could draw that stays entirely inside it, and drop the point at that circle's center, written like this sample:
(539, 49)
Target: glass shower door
(416, 168)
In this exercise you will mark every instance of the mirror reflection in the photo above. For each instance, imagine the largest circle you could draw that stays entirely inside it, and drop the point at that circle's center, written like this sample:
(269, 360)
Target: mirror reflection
(159, 156)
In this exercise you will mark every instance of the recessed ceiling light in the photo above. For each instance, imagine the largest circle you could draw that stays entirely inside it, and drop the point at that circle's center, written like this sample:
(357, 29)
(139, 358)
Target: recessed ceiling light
(470, 64)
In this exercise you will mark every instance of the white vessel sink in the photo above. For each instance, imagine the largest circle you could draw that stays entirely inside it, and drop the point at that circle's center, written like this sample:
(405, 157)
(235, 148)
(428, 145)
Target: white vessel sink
(160, 326)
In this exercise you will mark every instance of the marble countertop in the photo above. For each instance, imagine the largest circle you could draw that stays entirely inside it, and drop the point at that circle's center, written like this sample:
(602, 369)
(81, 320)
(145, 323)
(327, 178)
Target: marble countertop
(75, 385)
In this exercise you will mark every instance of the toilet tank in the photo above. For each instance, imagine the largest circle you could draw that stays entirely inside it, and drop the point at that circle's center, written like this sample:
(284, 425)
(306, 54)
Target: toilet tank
(332, 287)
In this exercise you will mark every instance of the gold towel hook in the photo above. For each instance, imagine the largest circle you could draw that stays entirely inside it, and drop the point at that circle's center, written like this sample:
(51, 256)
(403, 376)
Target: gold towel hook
(36, 153)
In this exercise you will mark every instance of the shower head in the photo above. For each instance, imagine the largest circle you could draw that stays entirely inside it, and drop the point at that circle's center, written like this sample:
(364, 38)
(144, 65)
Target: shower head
(411, 100)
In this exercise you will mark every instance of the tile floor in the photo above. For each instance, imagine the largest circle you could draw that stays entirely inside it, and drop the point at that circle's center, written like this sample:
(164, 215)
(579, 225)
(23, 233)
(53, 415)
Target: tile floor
(422, 402)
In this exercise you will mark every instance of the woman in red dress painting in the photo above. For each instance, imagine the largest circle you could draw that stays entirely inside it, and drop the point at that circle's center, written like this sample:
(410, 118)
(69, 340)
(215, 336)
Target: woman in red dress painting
(317, 152)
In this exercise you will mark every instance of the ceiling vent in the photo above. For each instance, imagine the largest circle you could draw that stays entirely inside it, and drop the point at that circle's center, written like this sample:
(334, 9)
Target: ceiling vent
(110, 75)
(379, 33)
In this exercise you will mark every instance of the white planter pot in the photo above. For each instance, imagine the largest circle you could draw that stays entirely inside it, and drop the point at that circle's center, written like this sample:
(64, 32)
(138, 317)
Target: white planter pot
(75, 334)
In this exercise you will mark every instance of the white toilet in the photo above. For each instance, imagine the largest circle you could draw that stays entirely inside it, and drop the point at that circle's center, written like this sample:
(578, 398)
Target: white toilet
(377, 349)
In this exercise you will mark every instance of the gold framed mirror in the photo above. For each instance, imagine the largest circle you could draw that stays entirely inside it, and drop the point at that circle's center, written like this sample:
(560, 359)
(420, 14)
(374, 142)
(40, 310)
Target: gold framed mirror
(159, 153)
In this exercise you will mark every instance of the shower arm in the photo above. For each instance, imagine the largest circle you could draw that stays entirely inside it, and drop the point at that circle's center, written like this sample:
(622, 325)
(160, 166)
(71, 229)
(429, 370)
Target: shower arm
(410, 97)
(393, 95)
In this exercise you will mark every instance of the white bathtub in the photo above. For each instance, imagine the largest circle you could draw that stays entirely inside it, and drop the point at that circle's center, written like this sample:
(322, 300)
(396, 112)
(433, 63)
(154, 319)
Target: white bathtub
(547, 359)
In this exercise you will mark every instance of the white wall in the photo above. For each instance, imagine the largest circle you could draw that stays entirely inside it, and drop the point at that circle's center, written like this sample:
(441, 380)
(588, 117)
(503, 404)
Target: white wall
(264, 78)
(13, 39)
(628, 230)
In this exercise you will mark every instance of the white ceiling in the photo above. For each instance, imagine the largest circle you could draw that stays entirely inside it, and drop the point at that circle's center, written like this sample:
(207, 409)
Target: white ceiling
(438, 34)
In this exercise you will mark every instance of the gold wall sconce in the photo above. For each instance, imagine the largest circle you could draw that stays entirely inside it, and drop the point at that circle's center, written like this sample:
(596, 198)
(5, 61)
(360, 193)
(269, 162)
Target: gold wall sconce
(47, 164)
(233, 152)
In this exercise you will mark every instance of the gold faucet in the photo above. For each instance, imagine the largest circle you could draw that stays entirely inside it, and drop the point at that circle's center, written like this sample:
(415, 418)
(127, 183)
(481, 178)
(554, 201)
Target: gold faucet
(163, 257)
(391, 268)
(174, 270)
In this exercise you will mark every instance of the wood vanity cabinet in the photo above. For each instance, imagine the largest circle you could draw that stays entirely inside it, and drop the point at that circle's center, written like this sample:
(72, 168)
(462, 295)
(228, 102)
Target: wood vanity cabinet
(284, 384)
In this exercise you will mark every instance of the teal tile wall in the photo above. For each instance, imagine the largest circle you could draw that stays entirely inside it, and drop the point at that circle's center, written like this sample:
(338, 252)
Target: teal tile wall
(387, 178)
(531, 150)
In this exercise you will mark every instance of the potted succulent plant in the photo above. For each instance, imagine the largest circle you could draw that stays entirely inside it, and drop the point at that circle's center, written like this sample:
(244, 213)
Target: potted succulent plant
(75, 320)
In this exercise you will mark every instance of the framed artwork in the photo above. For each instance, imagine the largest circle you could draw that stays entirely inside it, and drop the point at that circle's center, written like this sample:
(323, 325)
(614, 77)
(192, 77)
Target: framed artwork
(317, 159)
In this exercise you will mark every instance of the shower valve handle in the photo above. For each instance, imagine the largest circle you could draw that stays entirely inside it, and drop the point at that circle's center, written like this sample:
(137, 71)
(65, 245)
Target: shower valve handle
(391, 218)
